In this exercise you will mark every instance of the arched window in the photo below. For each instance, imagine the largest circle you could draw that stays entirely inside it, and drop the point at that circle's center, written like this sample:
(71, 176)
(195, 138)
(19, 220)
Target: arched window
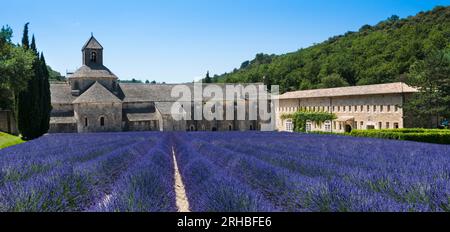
(102, 121)
(230, 127)
(93, 57)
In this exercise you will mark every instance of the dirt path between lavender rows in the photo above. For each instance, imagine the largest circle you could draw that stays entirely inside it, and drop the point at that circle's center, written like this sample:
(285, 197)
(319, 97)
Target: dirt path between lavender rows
(180, 192)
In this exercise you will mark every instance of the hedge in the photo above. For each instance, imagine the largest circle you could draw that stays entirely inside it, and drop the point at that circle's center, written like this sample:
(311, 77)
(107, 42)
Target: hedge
(415, 134)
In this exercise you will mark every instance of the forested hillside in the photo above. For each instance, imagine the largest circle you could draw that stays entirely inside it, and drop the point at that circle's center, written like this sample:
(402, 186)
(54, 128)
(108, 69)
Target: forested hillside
(375, 54)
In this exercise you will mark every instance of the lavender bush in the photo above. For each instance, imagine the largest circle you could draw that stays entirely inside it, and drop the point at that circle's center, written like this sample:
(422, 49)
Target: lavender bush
(234, 171)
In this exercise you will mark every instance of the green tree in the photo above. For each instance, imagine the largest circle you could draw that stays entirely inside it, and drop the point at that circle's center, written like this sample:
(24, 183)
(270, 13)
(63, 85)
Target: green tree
(432, 77)
(15, 70)
(45, 96)
(25, 40)
(207, 78)
(30, 99)
(332, 81)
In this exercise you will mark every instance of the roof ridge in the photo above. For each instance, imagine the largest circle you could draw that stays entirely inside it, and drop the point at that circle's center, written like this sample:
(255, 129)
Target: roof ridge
(92, 41)
(97, 93)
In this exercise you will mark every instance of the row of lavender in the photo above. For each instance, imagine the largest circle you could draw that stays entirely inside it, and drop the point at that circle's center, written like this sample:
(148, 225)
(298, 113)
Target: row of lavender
(294, 172)
(90, 172)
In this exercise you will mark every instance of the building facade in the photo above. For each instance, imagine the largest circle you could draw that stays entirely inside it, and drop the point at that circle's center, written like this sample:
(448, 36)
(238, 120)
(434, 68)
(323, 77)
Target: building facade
(357, 107)
(94, 100)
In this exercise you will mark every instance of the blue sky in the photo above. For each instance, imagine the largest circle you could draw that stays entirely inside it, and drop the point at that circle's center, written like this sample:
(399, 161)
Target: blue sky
(179, 40)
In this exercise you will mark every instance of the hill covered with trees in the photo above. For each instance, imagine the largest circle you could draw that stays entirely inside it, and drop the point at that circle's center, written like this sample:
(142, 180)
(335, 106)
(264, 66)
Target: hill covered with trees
(379, 53)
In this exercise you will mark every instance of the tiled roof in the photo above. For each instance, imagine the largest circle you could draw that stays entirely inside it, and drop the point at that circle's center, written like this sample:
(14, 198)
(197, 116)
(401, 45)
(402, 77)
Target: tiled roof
(146, 92)
(164, 108)
(136, 117)
(61, 93)
(62, 120)
(92, 43)
(92, 71)
(389, 88)
(157, 92)
(97, 93)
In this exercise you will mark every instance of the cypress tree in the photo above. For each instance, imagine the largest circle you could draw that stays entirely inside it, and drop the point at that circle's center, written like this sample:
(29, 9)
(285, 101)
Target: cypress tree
(207, 78)
(25, 41)
(45, 97)
(30, 100)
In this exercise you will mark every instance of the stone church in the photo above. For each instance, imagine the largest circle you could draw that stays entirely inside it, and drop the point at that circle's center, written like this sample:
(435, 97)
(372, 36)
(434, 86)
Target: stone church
(94, 100)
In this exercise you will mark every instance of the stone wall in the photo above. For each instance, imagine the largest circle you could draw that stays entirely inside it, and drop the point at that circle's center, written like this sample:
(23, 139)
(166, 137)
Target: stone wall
(7, 122)
(89, 117)
(62, 110)
(365, 111)
(62, 128)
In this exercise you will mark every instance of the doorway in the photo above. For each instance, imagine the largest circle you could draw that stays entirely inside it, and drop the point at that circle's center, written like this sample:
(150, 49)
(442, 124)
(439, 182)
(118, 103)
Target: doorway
(348, 128)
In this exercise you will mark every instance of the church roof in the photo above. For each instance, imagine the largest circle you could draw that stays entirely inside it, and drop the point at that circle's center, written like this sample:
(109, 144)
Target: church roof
(61, 93)
(146, 92)
(165, 108)
(136, 117)
(93, 71)
(92, 43)
(389, 88)
(63, 120)
(157, 92)
(97, 93)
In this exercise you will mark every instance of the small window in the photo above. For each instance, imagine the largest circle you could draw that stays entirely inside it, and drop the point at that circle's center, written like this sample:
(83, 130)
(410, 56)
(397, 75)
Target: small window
(368, 108)
(93, 57)
(85, 122)
(381, 108)
(362, 108)
(395, 108)
(361, 125)
(356, 108)
(230, 128)
(396, 125)
(308, 126)
(251, 127)
(192, 128)
(289, 126)
(328, 126)
(344, 108)
(374, 108)
(388, 108)
(387, 125)
(102, 121)
(339, 109)
(380, 125)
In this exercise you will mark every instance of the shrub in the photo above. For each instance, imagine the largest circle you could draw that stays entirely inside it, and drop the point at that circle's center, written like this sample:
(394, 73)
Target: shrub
(413, 134)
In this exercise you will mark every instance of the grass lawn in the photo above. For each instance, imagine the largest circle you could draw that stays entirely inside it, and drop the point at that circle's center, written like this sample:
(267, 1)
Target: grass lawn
(7, 140)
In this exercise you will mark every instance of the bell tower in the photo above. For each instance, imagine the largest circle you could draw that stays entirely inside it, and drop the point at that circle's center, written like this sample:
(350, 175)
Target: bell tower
(92, 53)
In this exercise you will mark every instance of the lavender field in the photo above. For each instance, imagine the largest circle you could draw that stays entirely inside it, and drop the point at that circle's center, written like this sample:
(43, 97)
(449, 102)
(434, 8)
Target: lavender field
(235, 171)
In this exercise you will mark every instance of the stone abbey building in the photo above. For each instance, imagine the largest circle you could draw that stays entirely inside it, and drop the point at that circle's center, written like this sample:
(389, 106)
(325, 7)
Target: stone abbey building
(356, 107)
(93, 100)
